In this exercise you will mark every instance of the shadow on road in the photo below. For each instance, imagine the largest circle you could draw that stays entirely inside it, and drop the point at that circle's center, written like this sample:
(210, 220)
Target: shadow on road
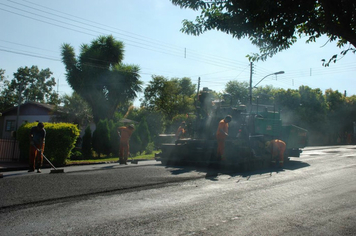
(212, 172)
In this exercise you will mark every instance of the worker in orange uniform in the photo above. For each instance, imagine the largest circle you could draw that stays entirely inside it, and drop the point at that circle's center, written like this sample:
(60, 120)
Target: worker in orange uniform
(180, 131)
(37, 145)
(276, 147)
(221, 134)
(124, 133)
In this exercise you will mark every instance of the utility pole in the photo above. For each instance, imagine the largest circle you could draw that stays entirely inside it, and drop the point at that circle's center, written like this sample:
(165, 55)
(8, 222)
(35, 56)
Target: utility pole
(251, 71)
(18, 107)
(198, 92)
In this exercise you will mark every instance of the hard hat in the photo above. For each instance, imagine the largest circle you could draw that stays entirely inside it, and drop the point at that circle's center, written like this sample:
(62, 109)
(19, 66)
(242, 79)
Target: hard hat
(132, 126)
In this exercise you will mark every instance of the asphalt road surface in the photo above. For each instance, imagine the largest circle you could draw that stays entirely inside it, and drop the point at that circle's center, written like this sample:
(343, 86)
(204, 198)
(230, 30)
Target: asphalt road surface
(313, 195)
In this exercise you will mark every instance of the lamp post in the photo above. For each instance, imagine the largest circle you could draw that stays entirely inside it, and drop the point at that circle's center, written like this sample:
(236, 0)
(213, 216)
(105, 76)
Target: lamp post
(275, 73)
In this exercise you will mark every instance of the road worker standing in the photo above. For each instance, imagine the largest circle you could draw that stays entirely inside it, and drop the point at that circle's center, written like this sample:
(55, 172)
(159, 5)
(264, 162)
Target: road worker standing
(124, 133)
(221, 134)
(276, 147)
(37, 145)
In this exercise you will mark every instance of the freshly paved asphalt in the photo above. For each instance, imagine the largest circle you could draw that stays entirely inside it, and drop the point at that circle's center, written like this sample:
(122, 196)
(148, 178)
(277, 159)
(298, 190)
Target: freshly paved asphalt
(19, 188)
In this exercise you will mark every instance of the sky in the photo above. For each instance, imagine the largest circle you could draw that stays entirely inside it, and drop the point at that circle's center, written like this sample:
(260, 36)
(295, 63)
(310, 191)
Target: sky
(33, 31)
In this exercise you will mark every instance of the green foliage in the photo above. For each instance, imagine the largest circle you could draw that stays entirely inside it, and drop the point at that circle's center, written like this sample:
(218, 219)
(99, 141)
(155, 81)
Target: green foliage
(150, 148)
(35, 85)
(143, 133)
(99, 76)
(75, 110)
(31, 83)
(76, 155)
(155, 121)
(87, 144)
(171, 97)
(60, 140)
(7, 96)
(135, 143)
(273, 26)
(239, 91)
(101, 138)
(114, 138)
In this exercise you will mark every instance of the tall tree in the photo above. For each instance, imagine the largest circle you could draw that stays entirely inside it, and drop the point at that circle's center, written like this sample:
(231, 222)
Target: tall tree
(168, 96)
(239, 91)
(7, 96)
(273, 25)
(31, 84)
(99, 76)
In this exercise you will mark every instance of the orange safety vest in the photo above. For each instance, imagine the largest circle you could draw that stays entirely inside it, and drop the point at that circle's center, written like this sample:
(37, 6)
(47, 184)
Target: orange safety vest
(223, 126)
(125, 134)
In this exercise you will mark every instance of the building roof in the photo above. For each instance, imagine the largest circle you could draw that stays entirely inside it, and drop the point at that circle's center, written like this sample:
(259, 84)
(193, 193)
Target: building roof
(42, 105)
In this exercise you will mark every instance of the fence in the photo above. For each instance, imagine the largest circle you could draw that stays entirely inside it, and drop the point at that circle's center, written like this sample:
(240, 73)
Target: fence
(9, 150)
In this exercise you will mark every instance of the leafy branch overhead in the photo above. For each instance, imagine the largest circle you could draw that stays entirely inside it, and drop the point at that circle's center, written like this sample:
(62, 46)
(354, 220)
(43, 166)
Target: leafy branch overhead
(274, 25)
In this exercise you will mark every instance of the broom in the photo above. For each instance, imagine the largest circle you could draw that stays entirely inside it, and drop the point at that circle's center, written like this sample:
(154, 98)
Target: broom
(55, 170)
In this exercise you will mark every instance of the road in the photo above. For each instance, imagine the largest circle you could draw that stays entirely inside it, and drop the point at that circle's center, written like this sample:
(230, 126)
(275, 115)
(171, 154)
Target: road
(313, 195)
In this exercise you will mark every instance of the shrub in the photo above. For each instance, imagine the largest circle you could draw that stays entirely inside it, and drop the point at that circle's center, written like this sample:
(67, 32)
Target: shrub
(114, 138)
(149, 148)
(60, 140)
(144, 134)
(101, 138)
(86, 145)
(135, 143)
(76, 155)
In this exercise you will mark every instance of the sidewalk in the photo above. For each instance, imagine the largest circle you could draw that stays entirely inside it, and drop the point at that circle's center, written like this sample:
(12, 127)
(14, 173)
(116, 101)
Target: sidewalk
(13, 166)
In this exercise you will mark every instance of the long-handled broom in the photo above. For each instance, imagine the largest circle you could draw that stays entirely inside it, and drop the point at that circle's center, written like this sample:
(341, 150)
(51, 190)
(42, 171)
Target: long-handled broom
(55, 170)
(132, 160)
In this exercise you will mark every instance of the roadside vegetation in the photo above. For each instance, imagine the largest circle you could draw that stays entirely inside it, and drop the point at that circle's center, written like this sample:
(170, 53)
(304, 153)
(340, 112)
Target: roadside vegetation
(94, 160)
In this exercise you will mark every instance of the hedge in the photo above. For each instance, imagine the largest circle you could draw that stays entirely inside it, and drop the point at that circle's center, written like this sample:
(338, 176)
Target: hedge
(60, 140)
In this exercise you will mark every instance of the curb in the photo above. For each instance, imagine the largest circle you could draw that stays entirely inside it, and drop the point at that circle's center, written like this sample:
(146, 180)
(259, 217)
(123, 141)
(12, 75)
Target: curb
(17, 168)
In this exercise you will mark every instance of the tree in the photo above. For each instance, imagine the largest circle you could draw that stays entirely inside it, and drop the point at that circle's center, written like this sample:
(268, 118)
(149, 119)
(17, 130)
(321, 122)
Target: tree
(135, 143)
(99, 76)
(87, 144)
(31, 84)
(74, 110)
(155, 121)
(312, 109)
(7, 96)
(114, 138)
(171, 97)
(101, 138)
(238, 90)
(144, 134)
(273, 25)
(266, 94)
(35, 85)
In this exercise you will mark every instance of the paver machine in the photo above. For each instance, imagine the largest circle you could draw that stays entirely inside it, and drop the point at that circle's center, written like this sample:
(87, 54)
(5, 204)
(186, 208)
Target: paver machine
(245, 145)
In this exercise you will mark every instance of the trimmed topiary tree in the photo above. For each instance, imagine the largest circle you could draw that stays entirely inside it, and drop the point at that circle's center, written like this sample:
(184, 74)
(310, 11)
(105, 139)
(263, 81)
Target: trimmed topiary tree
(87, 144)
(144, 134)
(101, 138)
(114, 138)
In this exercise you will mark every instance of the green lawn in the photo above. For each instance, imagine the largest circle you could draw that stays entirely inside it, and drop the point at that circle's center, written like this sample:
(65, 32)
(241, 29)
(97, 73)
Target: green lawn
(112, 159)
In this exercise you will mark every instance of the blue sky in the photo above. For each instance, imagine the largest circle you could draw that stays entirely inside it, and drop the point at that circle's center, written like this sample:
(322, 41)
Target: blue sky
(32, 32)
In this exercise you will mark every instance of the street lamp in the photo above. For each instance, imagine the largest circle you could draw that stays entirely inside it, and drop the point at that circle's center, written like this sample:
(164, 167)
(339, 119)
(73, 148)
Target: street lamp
(275, 73)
